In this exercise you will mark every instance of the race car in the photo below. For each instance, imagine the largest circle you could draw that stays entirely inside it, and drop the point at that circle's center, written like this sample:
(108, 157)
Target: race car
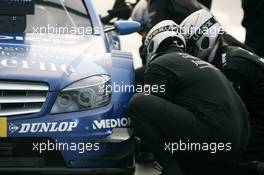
(64, 89)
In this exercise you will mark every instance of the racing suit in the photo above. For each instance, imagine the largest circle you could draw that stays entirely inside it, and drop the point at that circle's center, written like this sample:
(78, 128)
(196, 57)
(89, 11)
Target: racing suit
(198, 106)
(253, 22)
(246, 72)
(231, 41)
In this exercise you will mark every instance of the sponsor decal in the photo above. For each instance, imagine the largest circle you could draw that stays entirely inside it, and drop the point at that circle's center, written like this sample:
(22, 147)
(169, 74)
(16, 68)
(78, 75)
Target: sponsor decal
(224, 60)
(19, 38)
(12, 128)
(168, 28)
(202, 30)
(42, 39)
(43, 127)
(42, 66)
(202, 64)
(3, 127)
(112, 123)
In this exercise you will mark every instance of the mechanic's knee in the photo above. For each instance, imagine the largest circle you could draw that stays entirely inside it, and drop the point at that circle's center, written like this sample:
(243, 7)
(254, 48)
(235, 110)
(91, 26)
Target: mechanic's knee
(136, 103)
(141, 101)
(139, 104)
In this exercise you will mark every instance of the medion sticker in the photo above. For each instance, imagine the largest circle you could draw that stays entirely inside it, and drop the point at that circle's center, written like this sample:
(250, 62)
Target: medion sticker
(112, 123)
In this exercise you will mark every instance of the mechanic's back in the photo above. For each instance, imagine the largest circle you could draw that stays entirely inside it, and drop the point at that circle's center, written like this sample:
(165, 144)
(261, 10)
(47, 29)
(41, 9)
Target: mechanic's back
(199, 105)
(201, 88)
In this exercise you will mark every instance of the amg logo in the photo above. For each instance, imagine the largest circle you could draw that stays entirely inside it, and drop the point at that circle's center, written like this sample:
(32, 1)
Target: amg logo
(112, 123)
(45, 127)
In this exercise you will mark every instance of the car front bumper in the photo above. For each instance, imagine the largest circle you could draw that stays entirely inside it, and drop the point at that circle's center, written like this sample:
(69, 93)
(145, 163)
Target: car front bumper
(112, 134)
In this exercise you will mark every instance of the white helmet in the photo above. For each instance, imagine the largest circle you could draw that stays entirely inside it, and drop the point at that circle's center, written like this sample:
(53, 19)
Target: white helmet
(163, 35)
(201, 29)
(140, 13)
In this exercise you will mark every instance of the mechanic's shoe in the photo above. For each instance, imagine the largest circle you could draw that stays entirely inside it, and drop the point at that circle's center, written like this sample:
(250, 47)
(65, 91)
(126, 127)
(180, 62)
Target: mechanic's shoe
(172, 174)
(172, 169)
(144, 157)
(157, 167)
(106, 19)
(257, 168)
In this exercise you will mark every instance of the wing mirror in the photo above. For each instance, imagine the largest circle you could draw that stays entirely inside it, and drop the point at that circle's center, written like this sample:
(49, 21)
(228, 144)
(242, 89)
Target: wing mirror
(124, 27)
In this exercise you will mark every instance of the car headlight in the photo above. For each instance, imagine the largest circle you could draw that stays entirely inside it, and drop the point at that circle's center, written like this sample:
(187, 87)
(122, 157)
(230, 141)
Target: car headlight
(85, 94)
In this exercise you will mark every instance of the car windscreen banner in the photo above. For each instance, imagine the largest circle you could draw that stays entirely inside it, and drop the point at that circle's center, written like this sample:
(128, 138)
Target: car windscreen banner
(17, 7)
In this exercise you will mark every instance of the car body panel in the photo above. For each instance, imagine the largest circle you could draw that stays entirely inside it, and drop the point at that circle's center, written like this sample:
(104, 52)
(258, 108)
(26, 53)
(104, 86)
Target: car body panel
(55, 60)
(59, 61)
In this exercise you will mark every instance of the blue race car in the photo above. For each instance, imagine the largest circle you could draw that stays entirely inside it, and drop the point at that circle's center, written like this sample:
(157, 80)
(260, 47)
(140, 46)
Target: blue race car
(64, 89)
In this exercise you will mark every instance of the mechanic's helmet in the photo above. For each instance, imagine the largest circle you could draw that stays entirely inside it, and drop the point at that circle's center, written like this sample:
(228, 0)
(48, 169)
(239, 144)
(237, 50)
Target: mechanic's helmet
(140, 13)
(163, 35)
(201, 30)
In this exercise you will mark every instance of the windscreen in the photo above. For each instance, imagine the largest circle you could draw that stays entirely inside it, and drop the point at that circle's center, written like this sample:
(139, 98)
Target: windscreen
(59, 17)
(64, 17)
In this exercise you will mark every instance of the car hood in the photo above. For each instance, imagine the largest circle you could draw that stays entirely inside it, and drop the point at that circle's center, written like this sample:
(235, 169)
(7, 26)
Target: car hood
(55, 60)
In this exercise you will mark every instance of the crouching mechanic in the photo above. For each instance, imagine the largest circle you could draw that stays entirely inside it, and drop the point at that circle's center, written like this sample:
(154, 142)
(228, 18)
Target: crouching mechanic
(244, 69)
(198, 109)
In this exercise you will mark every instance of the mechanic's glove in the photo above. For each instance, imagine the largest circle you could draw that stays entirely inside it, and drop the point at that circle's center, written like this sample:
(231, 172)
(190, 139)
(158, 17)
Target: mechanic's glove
(255, 168)
(106, 19)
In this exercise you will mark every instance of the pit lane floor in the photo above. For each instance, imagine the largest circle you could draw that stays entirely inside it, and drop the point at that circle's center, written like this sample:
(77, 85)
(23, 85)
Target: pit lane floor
(142, 169)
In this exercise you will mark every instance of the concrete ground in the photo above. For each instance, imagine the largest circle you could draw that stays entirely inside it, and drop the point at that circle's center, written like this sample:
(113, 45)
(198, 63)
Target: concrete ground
(229, 13)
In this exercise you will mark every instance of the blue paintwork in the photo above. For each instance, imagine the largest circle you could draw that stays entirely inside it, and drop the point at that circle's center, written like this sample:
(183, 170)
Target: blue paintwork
(67, 60)
(127, 27)
(55, 60)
